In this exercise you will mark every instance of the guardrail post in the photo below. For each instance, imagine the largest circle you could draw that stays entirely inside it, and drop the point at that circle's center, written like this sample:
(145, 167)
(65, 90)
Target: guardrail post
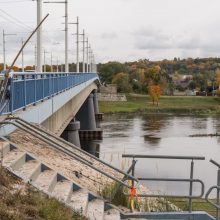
(218, 202)
(12, 95)
(42, 78)
(191, 185)
(133, 170)
(35, 90)
(25, 92)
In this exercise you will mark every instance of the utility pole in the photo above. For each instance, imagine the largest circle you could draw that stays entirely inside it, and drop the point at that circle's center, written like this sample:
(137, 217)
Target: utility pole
(35, 57)
(77, 43)
(45, 70)
(39, 37)
(57, 65)
(66, 33)
(83, 50)
(4, 50)
(51, 62)
(90, 59)
(87, 55)
(22, 57)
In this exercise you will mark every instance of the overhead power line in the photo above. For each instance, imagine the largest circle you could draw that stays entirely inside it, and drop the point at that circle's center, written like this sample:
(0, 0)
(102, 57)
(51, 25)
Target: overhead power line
(14, 20)
(13, 1)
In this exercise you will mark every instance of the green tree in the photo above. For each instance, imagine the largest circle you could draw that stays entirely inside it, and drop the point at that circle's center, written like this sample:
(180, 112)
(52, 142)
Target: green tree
(122, 82)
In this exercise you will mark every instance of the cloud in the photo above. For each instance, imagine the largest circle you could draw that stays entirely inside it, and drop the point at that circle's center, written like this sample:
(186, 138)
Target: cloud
(150, 38)
(108, 35)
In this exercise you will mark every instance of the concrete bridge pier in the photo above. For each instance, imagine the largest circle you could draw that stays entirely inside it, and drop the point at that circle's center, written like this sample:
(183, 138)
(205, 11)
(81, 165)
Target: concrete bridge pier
(91, 146)
(98, 115)
(71, 133)
(86, 116)
(95, 101)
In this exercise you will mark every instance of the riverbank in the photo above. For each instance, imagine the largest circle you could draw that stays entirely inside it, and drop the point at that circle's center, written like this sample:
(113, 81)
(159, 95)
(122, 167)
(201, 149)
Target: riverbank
(199, 105)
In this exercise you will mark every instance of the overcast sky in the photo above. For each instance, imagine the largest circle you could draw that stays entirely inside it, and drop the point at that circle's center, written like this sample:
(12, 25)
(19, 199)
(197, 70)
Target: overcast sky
(119, 30)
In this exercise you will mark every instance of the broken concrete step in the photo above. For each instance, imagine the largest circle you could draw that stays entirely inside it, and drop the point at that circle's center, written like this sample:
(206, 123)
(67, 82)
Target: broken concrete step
(63, 189)
(46, 180)
(12, 156)
(4, 149)
(112, 214)
(96, 209)
(79, 201)
(28, 168)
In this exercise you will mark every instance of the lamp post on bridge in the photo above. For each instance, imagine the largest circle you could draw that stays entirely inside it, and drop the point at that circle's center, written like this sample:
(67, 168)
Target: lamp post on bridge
(4, 50)
(66, 32)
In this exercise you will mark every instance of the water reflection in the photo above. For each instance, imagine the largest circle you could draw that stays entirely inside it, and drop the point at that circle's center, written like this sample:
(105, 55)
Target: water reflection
(91, 146)
(154, 123)
(162, 135)
(152, 140)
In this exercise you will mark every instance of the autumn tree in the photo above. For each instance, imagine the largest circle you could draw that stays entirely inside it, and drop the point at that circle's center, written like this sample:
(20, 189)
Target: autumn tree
(155, 93)
(122, 82)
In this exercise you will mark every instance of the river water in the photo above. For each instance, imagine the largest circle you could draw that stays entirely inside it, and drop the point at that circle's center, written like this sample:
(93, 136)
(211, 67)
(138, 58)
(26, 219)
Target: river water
(157, 134)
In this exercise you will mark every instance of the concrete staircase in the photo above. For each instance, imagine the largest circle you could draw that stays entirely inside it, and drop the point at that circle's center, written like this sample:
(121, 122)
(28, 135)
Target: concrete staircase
(47, 180)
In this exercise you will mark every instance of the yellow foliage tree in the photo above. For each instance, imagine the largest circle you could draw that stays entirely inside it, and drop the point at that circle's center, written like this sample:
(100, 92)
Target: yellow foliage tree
(155, 93)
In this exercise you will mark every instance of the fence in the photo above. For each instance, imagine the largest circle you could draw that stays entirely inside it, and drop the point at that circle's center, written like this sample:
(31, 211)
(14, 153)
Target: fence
(191, 180)
(28, 89)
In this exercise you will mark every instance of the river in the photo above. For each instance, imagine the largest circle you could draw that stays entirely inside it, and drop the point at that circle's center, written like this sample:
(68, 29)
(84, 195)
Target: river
(157, 134)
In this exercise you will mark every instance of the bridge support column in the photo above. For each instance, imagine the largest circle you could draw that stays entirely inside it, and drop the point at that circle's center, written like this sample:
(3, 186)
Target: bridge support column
(95, 101)
(71, 133)
(88, 124)
(98, 116)
(86, 115)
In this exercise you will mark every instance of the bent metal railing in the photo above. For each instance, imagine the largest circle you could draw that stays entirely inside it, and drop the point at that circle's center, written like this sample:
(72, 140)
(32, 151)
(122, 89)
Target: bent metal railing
(191, 180)
(29, 88)
(217, 187)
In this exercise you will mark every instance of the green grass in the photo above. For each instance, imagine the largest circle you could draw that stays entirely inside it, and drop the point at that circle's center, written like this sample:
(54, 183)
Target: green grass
(167, 104)
(198, 205)
(28, 203)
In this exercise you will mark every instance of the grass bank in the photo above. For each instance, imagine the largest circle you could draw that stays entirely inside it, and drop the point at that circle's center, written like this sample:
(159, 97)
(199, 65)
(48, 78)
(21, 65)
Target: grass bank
(19, 201)
(167, 104)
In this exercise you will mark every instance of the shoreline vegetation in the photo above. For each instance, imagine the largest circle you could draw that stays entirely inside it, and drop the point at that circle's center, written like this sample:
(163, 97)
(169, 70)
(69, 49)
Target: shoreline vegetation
(194, 105)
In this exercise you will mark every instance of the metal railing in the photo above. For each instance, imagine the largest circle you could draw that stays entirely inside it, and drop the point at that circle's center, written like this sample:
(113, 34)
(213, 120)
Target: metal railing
(191, 180)
(28, 88)
(217, 187)
(60, 147)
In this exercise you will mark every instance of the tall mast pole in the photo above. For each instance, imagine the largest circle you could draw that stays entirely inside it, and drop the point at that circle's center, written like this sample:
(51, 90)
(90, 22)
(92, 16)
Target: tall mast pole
(4, 66)
(83, 51)
(39, 37)
(66, 37)
(22, 57)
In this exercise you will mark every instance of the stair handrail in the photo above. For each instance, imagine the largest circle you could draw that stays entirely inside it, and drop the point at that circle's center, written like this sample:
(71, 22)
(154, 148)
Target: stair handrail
(60, 149)
(73, 146)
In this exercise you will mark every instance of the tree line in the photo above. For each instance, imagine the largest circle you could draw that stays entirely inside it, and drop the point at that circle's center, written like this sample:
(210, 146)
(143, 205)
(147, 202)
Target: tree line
(166, 75)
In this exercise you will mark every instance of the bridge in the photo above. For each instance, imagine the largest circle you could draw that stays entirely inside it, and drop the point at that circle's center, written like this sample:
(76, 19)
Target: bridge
(55, 100)
(45, 106)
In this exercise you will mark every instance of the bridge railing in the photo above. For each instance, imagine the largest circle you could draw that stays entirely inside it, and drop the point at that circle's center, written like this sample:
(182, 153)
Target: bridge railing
(28, 88)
